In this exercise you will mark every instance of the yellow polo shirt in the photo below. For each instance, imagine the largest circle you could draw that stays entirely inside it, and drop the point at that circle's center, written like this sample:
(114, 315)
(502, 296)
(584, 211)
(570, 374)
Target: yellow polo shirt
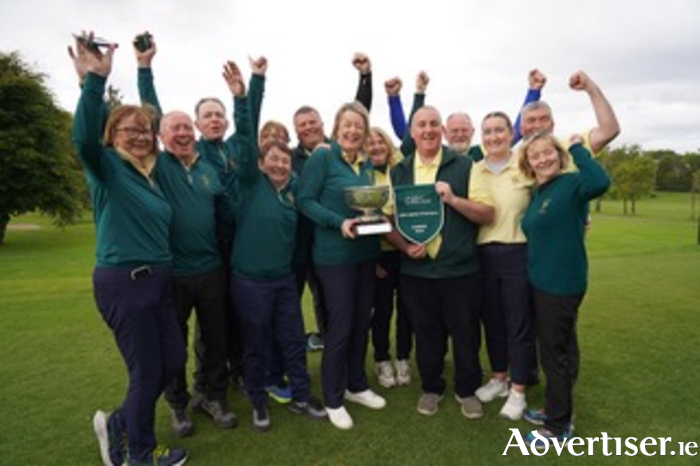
(425, 173)
(354, 165)
(509, 191)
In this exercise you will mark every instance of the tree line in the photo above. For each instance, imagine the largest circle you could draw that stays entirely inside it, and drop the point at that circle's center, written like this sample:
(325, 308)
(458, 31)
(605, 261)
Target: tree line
(39, 170)
(637, 173)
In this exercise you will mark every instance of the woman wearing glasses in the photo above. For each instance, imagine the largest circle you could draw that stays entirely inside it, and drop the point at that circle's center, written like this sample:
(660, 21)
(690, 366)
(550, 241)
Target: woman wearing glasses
(132, 280)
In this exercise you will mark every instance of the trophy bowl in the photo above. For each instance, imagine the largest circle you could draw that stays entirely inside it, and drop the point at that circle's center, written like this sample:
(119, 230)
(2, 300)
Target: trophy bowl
(368, 199)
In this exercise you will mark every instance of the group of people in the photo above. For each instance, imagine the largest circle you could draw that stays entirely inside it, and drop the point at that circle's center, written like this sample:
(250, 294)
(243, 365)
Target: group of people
(235, 227)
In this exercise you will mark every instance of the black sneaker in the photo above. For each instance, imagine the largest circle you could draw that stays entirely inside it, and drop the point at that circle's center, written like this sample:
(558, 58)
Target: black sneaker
(111, 437)
(313, 409)
(220, 413)
(161, 456)
(261, 419)
(181, 422)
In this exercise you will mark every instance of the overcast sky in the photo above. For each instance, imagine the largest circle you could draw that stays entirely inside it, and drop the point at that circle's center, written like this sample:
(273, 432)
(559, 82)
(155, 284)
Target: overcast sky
(645, 55)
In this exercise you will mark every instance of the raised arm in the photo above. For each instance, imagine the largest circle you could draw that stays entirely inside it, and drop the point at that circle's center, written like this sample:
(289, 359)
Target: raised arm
(608, 127)
(593, 180)
(245, 140)
(536, 81)
(147, 88)
(398, 119)
(408, 145)
(256, 91)
(362, 63)
(81, 70)
(88, 121)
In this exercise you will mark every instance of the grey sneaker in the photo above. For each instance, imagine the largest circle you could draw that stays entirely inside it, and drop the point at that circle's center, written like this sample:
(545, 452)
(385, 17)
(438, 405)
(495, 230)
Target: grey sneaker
(181, 422)
(385, 374)
(471, 407)
(313, 409)
(220, 413)
(261, 419)
(428, 403)
(196, 401)
(403, 372)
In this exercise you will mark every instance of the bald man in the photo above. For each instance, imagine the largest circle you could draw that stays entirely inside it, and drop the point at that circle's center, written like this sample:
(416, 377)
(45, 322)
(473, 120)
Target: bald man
(198, 200)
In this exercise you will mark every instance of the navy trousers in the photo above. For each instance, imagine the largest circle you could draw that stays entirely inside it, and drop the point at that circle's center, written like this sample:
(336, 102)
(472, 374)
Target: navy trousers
(269, 310)
(138, 308)
(507, 313)
(349, 293)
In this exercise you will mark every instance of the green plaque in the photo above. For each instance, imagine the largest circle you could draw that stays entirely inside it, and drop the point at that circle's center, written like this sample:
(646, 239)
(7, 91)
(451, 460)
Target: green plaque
(419, 212)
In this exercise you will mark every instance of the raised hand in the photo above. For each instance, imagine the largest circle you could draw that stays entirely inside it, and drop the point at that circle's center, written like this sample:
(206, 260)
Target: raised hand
(393, 86)
(144, 57)
(258, 65)
(234, 78)
(536, 79)
(579, 81)
(362, 63)
(91, 59)
(422, 81)
(576, 139)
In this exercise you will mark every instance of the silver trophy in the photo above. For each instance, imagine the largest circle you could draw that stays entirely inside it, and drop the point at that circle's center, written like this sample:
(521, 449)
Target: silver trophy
(369, 200)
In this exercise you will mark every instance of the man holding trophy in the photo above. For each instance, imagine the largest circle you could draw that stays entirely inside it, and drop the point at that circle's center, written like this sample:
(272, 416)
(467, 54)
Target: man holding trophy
(437, 210)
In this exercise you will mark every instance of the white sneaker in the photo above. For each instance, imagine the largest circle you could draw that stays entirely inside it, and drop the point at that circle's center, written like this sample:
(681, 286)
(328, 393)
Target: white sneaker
(385, 374)
(340, 418)
(403, 372)
(495, 388)
(366, 398)
(514, 407)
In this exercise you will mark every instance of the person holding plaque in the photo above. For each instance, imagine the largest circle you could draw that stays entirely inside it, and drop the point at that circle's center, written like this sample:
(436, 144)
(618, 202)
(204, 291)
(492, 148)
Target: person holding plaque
(344, 261)
(437, 210)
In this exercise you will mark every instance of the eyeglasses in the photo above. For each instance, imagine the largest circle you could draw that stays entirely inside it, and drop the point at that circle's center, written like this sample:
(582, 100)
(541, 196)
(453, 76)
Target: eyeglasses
(134, 133)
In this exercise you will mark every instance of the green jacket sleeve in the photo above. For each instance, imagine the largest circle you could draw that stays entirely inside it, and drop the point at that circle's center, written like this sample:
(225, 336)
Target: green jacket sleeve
(593, 180)
(255, 98)
(88, 125)
(246, 147)
(147, 91)
(311, 187)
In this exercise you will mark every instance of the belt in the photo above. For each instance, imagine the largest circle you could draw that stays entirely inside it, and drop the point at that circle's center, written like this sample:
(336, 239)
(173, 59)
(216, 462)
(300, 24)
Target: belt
(141, 272)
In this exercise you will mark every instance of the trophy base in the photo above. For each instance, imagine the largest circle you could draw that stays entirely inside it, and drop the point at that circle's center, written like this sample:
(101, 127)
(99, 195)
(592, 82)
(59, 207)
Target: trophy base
(373, 228)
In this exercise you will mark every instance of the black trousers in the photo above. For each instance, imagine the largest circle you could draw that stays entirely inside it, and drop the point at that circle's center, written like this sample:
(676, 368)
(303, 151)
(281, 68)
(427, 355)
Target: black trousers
(206, 294)
(387, 293)
(442, 309)
(556, 318)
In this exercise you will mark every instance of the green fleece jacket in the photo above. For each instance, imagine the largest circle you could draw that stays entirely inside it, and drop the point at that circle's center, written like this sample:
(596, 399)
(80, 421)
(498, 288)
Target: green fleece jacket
(325, 177)
(554, 224)
(266, 223)
(131, 212)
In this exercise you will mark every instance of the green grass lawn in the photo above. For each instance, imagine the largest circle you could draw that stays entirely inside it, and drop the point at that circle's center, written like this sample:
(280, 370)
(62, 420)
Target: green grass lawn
(638, 332)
